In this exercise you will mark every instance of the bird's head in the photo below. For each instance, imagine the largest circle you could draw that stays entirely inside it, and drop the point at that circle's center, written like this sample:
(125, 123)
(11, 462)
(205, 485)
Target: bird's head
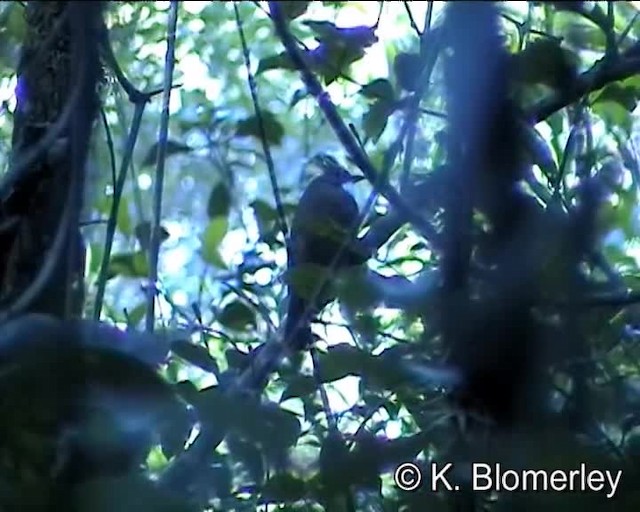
(332, 170)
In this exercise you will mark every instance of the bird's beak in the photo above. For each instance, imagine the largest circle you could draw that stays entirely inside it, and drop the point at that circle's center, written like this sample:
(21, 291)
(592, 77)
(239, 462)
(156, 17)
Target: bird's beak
(356, 179)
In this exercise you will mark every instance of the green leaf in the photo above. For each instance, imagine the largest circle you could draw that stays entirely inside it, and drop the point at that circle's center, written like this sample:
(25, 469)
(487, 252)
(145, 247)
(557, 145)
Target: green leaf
(265, 216)
(334, 462)
(304, 280)
(354, 290)
(237, 316)
(219, 202)
(578, 32)
(156, 460)
(279, 61)
(379, 89)
(283, 488)
(123, 221)
(339, 47)
(375, 119)
(143, 234)
(544, 61)
(625, 96)
(367, 325)
(13, 21)
(129, 264)
(330, 61)
(187, 390)
(555, 122)
(174, 147)
(236, 358)
(248, 454)
(340, 361)
(264, 211)
(293, 9)
(127, 494)
(614, 115)
(197, 355)
(174, 433)
(263, 423)
(407, 68)
(355, 38)
(333, 4)
(96, 252)
(213, 235)
(388, 371)
(299, 386)
(250, 127)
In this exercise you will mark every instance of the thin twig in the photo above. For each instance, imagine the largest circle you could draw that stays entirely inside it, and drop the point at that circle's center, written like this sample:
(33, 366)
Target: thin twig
(139, 100)
(263, 135)
(154, 246)
(612, 47)
(412, 21)
(112, 155)
(429, 60)
(115, 205)
(627, 29)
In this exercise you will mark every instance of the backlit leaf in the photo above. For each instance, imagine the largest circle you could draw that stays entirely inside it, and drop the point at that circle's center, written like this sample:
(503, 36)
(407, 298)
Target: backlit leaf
(131, 264)
(174, 147)
(378, 89)
(219, 201)
(238, 316)
(213, 235)
(273, 129)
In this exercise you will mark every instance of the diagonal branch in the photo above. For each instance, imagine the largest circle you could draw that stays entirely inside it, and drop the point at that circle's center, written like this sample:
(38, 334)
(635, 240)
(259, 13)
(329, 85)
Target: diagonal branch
(599, 75)
(344, 135)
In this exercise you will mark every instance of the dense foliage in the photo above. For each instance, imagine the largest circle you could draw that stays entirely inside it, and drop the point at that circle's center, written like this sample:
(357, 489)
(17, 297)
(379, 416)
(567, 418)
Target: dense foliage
(329, 430)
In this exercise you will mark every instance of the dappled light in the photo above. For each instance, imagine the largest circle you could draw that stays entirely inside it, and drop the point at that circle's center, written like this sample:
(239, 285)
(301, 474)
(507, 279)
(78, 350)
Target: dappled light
(332, 256)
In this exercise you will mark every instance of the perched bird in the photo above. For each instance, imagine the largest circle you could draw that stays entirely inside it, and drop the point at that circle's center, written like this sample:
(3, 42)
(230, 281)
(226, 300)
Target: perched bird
(321, 240)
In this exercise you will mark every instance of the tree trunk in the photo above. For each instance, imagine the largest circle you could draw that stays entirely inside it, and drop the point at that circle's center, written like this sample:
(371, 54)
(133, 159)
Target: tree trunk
(40, 183)
(41, 251)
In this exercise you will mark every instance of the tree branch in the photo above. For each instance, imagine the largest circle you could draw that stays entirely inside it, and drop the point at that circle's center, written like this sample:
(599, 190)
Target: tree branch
(601, 74)
(344, 135)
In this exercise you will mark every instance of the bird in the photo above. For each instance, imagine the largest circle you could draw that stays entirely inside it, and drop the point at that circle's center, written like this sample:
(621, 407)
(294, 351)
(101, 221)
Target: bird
(321, 240)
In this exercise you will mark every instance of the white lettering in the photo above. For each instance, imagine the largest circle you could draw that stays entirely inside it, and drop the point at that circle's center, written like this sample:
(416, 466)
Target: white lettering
(538, 480)
(613, 483)
(595, 480)
(510, 474)
(437, 476)
(486, 476)
(558, 480)
(573, 475)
